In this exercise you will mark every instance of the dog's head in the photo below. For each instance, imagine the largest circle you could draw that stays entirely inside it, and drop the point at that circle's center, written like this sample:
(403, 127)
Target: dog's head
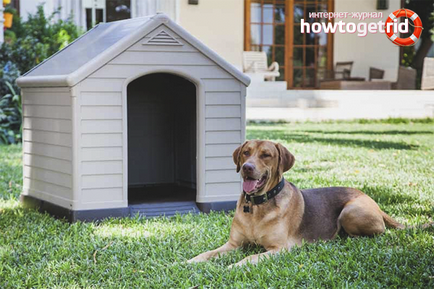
(262, 164)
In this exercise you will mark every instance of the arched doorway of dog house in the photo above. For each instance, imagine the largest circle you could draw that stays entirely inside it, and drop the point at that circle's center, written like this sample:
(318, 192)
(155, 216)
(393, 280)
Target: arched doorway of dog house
(161, 144)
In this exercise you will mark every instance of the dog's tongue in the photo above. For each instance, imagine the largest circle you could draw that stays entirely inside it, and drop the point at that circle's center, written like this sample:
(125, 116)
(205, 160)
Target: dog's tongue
(249, 185)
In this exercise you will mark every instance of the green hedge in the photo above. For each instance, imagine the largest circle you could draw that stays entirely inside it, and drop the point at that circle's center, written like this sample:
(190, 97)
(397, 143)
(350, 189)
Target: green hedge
(27, 44)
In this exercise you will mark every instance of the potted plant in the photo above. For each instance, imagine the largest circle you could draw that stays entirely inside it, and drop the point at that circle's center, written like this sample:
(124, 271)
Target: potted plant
(8, 14)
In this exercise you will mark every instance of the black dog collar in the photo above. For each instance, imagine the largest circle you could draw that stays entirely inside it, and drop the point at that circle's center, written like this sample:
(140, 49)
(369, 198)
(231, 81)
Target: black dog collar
(256, 200)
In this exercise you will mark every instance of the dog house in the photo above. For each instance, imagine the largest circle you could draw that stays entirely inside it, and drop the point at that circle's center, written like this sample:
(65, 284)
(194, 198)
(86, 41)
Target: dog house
(135, 116)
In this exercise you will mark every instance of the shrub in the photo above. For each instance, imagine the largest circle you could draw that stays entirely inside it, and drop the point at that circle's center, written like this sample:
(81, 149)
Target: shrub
(26, 45)
(10, 104)
(10, 116)
(38, 38)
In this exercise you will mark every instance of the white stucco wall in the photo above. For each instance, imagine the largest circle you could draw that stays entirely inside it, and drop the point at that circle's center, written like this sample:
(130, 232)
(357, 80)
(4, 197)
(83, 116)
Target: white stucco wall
(30, 7)
(373, 50)
(219, 24)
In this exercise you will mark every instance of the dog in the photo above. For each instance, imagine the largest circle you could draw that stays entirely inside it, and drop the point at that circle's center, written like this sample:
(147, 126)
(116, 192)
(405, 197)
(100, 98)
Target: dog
(275, 214)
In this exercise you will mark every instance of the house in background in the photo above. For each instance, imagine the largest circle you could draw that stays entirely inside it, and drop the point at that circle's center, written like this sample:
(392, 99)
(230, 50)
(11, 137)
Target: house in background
(218, 24)
(307, 62)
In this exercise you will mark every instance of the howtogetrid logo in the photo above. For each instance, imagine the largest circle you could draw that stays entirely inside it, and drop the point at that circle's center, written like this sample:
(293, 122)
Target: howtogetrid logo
(391, 27)
(392, 21)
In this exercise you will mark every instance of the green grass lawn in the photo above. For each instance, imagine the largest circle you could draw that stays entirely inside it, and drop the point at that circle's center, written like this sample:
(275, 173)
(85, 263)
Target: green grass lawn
(392, 163)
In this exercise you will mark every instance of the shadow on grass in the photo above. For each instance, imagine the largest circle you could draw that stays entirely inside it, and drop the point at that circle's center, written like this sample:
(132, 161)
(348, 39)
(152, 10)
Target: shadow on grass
(310, 169)
(387, 196)
(369, 132)
(405, 205)
(391, 200)
(303, 138)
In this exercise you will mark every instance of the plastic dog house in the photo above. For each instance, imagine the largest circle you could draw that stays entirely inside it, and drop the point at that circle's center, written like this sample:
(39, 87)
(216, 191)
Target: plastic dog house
(135, 116)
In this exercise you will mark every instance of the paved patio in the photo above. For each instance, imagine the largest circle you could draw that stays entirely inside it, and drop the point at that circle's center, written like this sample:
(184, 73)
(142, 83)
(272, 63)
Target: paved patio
(271, 101)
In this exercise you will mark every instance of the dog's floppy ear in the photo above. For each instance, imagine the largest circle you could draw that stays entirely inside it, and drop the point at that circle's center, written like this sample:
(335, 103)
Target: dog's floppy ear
(237, 154)
(286, 159)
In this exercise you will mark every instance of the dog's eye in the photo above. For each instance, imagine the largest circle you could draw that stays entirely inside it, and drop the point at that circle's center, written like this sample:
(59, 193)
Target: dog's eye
(246, 153)
(265, 156)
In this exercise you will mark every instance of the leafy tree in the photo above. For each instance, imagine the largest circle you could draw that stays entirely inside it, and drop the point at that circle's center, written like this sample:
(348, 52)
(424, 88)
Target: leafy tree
(424, 8)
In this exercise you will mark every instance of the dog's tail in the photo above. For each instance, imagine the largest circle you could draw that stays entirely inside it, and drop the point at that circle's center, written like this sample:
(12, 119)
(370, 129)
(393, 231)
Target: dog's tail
(392, 223)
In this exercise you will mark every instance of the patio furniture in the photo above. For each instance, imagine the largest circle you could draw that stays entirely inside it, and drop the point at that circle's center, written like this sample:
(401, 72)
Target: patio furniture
(255, 62)
(375, 73)
(342, 71)
(342, 84)
(428, 73)
(406, 79)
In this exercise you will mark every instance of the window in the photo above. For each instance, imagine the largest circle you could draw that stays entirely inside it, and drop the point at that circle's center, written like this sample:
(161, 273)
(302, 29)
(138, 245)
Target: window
(267, 30)
(310, 51)
(273, 26)
(118, 10)
(94, 19)
(106, 11)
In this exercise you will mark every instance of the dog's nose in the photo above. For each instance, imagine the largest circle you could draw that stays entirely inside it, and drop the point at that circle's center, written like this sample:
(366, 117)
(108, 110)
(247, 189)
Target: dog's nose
(248, 168)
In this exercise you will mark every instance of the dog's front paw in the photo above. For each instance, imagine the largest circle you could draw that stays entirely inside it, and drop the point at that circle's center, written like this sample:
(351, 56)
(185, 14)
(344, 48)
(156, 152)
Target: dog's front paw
(197, 259)
(236, 265)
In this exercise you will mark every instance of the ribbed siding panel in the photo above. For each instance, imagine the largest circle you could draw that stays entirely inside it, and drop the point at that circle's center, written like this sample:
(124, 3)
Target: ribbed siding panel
(47, 144)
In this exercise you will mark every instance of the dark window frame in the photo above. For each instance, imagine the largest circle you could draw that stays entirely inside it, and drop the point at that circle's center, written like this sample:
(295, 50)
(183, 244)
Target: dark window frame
(288, 66)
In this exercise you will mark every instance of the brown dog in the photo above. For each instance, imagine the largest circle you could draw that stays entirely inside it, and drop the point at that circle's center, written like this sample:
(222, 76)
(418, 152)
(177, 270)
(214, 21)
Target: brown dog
(277, 215)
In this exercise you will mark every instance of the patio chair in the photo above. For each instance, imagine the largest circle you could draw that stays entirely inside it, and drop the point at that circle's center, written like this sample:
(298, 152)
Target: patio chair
(375, 73)
(255, 62)
(428, 73)
(406, 78)
(342, 71)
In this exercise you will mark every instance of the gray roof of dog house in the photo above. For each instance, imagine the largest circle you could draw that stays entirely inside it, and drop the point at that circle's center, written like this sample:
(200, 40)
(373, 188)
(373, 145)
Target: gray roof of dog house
(101, 44)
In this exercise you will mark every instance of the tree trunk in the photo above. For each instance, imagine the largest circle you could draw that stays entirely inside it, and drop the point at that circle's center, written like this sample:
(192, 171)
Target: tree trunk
(422, 52)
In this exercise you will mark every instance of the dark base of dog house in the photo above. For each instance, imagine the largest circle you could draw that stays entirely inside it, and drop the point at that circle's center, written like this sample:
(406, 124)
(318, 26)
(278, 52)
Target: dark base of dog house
(144, 209)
